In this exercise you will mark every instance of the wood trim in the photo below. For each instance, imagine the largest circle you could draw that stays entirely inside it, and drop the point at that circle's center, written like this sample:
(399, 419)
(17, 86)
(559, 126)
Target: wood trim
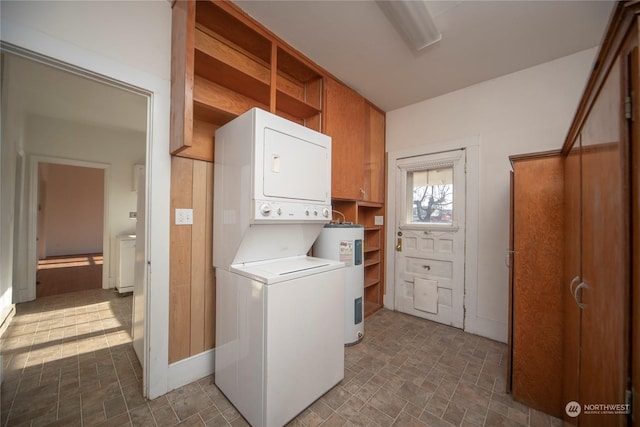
(182, 63)
(621, 21)
(533, 156)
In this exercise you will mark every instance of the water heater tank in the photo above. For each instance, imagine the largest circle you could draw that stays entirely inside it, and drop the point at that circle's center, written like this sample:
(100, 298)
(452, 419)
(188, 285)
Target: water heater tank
(343, 242)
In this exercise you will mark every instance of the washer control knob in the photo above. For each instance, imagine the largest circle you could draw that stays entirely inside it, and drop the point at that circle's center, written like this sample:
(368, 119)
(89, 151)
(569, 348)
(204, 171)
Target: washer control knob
(325, 212)
(265, 209)
(306, 212)
(279, 211)
(315, 212)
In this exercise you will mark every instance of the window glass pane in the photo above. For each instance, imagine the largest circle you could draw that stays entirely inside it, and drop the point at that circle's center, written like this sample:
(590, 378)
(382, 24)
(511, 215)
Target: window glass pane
(431, 194)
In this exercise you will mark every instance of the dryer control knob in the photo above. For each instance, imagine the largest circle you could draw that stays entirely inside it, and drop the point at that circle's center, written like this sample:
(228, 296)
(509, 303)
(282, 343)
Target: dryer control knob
(315, 212)
(306, 212)
(325, 213)
(265, 209)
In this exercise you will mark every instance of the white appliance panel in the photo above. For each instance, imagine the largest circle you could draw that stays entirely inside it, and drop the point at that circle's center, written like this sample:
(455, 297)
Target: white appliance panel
(279, 347)
(241, 208)
(305, 351)
(283, 269)
(294, 168)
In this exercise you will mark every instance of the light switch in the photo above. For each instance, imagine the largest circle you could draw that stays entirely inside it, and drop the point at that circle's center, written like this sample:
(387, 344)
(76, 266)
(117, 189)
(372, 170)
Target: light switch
(378, 220)
(184, 216)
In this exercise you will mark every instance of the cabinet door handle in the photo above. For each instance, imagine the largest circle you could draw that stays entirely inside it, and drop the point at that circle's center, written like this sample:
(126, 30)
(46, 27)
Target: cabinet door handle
(426, 267)
(507, 258)
(573, 282)
(575, 294)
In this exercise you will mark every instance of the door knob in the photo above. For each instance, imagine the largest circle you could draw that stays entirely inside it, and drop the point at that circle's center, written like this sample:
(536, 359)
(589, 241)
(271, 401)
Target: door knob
(399, 245)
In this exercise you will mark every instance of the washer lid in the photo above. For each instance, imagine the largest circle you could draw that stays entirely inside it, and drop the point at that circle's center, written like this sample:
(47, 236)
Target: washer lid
(283, 269)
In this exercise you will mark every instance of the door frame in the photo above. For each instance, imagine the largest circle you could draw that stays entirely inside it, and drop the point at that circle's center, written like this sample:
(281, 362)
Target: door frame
(456, 160)
(32, 209)
(471, 145)
(29, 43)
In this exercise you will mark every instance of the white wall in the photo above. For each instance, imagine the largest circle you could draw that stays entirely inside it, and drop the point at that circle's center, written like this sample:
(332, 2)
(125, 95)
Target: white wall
(523, 112)
(73, 209)
(129, 42)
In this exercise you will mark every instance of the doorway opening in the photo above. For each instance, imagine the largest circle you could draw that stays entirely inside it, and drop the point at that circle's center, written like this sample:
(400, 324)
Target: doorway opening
(71, 210)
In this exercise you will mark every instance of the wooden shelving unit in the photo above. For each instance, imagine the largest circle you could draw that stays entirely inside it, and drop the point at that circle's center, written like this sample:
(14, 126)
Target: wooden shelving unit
(224, 64)
(364, 213)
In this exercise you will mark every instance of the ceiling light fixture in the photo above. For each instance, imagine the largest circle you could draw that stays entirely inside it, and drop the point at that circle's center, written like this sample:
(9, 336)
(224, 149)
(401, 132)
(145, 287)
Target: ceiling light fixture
(412, 20)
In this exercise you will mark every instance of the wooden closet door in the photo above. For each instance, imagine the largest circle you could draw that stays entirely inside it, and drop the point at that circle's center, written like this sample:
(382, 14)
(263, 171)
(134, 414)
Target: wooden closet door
(605, 258)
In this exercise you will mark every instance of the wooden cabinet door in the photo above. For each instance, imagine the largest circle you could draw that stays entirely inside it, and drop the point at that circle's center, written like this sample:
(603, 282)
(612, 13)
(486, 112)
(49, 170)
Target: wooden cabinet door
(605, 254)
(374, 155)
(345, 123)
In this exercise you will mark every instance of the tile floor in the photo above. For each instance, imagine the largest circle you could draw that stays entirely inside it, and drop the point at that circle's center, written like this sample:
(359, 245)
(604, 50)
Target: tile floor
(68, 361)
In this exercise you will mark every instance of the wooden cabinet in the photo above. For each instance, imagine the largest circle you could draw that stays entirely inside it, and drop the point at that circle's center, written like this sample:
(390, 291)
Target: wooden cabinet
(224, 64)
(597, 273)
(345, 124)
(357, 129)
(597, 293)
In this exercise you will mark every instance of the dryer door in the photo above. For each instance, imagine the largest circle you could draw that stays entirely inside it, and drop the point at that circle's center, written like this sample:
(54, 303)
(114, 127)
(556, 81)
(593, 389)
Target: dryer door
(294, 168)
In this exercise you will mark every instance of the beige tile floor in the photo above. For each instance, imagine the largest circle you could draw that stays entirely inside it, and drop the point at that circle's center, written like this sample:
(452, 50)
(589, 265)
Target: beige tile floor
(68, 361)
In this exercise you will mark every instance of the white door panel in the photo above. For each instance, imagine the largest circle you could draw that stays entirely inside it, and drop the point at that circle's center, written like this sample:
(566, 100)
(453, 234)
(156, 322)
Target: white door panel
(429, 262)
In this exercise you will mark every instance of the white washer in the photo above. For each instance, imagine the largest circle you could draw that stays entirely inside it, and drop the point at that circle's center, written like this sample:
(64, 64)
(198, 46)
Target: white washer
(279, 335)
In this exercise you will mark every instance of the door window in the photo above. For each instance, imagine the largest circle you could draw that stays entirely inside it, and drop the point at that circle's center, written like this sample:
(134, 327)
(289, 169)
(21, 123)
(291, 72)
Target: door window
(430, 196)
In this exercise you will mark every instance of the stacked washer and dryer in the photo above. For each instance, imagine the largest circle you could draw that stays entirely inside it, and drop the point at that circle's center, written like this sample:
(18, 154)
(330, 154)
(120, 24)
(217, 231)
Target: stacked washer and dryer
(279, 312)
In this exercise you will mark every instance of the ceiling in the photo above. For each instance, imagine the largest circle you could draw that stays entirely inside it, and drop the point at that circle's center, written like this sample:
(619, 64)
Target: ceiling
(481, 40)
(42, 90)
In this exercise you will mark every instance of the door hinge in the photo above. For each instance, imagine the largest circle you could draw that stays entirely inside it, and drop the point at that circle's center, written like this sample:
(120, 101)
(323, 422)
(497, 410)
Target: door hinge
(628, 400)
(628, 107)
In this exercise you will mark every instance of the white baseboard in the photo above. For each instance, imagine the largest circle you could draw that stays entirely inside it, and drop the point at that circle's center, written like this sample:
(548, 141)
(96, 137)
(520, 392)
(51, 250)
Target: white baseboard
(487, 328)
(5, 317)
(191, 369)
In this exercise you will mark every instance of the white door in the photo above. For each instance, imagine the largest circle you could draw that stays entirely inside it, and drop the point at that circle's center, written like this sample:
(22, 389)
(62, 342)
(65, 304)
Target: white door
(430, 213)
(140, 272)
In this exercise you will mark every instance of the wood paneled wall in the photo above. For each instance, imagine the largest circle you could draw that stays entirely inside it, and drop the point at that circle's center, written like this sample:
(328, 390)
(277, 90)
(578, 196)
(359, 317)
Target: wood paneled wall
(192, 280)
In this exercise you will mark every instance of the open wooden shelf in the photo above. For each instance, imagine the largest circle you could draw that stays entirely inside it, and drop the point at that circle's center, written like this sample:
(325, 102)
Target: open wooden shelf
(212, 96)
(370, 308)
(371, 282)
(238, 71)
